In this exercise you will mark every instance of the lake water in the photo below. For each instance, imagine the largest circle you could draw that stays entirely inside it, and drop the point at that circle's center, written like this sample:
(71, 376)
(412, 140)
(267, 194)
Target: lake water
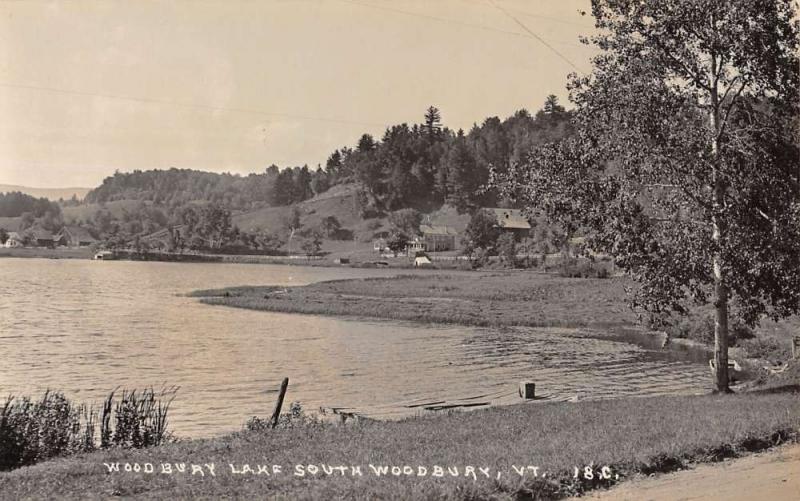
(87, 327)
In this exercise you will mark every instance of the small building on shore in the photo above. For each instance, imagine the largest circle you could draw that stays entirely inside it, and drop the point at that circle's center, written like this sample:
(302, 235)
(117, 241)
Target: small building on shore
(422, 261)
(14, 240)
(415, 246)
(166, 238)
(74, 236)
(379, 245)
(438, 238)
(511, 220)
(40, 237)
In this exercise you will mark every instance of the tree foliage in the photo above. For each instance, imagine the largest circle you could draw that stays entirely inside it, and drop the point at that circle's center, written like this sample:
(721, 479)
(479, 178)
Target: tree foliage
(481, 232)
(425, 165)
(685, 164)
(178, 187)
(406, 221)
(397, 242)
(15, 203)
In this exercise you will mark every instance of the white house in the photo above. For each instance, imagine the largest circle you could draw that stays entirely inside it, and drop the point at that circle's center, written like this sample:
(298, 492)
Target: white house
(14, 240)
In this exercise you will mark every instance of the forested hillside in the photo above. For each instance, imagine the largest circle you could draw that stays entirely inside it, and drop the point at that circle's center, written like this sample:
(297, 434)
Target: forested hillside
(427, 164)
(421, 165)
(177, 187)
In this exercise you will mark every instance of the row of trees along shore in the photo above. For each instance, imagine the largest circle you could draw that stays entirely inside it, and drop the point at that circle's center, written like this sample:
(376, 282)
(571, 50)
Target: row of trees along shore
(684, 164)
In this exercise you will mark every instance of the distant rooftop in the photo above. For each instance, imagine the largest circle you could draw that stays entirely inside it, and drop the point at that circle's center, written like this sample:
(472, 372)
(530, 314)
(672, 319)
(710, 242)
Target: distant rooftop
(78, 233)
(427, 229)
(40, 233)
(511, 219)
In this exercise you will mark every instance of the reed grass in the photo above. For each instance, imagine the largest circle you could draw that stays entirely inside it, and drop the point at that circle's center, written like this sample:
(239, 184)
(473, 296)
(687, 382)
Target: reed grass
(32, 431)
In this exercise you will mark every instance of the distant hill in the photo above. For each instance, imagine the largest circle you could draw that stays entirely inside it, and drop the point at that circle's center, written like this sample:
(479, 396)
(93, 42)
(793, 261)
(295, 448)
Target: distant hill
(85, 212)
(337, 202)
(49, 193)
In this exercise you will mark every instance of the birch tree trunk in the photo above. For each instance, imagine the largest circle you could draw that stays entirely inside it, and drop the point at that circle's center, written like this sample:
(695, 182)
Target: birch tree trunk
(718, 236)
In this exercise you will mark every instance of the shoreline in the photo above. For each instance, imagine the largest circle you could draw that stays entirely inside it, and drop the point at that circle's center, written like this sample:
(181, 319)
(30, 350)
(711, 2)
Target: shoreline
(491, 299)
(326, 262)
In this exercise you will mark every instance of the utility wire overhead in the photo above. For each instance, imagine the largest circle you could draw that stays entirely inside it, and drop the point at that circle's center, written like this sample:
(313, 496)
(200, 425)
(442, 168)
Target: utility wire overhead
(190, 105)
(555, 20)
(534, 35)
(453, 21)
(539, 16)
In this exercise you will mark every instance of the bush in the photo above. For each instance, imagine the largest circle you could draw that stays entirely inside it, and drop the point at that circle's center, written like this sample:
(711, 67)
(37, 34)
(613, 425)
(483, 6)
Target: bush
(769, 348)
(480, 257)
(699, 326)
(295, 418)
(530, 262)
(34, 431)
(507, 249)
(573, 268)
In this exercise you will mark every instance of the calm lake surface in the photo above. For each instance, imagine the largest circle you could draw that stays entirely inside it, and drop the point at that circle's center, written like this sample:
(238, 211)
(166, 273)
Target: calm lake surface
(87, 327)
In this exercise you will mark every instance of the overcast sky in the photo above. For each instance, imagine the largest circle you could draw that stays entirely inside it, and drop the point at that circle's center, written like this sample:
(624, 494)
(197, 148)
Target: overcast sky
(87, 87)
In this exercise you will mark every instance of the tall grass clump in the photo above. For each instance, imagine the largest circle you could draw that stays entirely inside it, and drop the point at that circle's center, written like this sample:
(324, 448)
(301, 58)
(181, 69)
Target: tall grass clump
(572, 267)
(32, 431)
(295, 418)
(140, 419)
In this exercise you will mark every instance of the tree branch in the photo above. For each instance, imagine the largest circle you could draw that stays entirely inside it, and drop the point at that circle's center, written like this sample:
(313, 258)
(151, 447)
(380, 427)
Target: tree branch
(731, 105)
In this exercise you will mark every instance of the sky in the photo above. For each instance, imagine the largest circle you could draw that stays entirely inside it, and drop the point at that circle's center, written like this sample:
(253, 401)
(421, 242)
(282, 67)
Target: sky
(90, 87)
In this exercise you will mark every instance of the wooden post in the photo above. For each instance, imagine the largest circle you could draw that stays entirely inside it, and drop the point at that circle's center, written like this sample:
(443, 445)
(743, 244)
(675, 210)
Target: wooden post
(527, 390)
(277, 412)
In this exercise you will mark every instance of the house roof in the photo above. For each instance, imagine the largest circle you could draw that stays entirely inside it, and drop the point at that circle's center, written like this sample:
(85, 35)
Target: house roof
(164, 233)
(427, 229)
(40, 234)
(511, 219)
(78, 233)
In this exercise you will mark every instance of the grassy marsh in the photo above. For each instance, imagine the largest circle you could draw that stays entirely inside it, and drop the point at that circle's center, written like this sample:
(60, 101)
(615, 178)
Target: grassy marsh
(479, 299)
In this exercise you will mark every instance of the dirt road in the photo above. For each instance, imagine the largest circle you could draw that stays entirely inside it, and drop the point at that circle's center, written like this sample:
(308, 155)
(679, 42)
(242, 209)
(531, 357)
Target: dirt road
(773, 475)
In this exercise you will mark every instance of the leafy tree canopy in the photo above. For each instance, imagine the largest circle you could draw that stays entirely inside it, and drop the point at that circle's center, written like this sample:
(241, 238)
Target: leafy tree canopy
(685, 163)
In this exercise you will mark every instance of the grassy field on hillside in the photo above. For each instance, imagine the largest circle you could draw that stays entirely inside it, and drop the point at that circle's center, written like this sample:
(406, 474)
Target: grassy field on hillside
(86, 212)
(638, 435)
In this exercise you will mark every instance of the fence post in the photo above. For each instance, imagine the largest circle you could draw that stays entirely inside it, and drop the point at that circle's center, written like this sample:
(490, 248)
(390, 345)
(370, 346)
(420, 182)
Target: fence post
(277, 412)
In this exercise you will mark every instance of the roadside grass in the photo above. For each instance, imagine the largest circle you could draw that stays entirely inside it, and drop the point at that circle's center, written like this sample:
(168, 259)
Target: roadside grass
(631, 436)
(476, 299)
